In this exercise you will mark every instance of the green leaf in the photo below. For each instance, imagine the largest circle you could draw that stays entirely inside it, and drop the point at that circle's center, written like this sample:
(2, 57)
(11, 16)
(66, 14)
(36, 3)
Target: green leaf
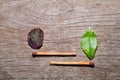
(89, 43)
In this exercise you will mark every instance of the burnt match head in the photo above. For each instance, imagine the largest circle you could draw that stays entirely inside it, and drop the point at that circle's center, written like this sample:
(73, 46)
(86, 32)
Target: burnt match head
(35, 38)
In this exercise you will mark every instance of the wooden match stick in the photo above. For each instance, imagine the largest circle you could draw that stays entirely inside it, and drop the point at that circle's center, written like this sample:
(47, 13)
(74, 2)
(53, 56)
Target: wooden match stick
(53, 54)
(72, 63)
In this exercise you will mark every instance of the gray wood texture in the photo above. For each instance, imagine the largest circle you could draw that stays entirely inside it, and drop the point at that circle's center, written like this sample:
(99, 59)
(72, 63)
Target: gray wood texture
(63, 22)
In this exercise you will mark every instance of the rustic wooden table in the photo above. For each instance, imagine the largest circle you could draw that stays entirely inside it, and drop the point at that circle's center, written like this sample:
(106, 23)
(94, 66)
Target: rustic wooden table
(63, 22)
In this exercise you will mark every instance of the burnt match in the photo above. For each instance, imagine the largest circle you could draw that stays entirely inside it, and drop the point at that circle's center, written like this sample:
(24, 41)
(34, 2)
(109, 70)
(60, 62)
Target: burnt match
(34, 54)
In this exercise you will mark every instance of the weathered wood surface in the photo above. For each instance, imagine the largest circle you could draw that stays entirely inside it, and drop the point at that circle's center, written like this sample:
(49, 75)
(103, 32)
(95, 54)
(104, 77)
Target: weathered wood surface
(63, 22)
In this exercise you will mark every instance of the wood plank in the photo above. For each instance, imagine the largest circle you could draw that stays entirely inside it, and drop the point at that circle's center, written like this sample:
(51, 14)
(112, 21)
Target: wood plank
(63, 22)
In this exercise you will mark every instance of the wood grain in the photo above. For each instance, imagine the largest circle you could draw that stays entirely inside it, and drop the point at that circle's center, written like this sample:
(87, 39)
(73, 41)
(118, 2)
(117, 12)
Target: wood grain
(63, 22)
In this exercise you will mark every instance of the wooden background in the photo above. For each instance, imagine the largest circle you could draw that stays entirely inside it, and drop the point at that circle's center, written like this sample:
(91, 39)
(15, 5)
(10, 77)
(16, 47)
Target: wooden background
(63, 22)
